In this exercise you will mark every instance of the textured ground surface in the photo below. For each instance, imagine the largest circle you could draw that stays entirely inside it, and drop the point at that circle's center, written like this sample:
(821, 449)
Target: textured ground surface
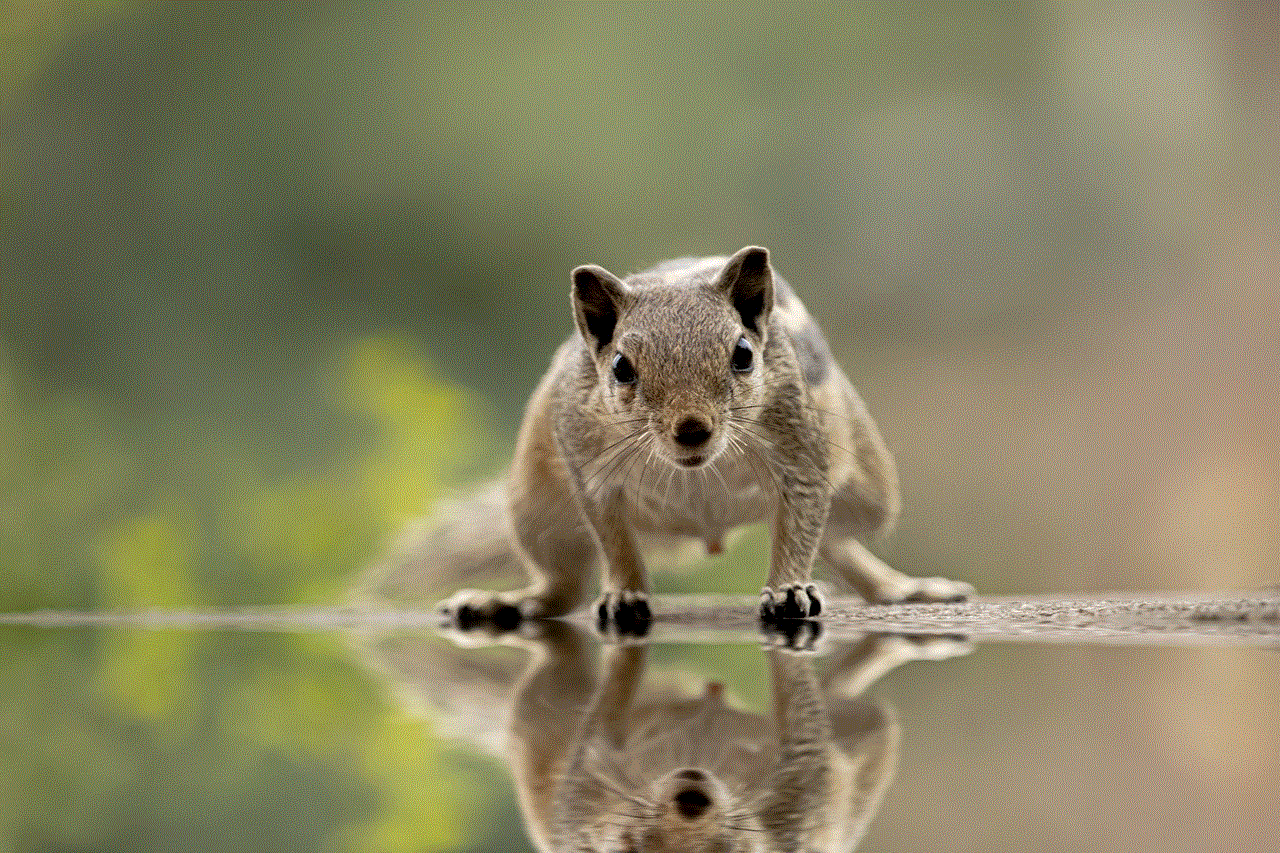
(1143, 618)
(1131, 617)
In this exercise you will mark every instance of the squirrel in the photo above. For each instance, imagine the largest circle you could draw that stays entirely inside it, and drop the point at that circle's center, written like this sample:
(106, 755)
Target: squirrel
(667, 773)
(607, 756)
(695, 397)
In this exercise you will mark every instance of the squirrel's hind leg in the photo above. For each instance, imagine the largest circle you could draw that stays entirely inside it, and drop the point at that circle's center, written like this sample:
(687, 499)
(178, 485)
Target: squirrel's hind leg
(873, 578)
(879, 583)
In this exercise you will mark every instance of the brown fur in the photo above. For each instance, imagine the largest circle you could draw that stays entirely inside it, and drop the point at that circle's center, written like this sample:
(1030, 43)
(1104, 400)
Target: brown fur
(600, 754)
(602, 464)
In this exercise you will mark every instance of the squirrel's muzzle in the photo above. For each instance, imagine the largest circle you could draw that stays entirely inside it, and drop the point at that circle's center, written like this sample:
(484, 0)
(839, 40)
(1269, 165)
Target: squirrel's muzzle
(692, 433)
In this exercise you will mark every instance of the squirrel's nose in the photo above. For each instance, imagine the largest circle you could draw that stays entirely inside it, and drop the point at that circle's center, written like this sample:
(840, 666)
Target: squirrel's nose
(692, 803)
(692, 432)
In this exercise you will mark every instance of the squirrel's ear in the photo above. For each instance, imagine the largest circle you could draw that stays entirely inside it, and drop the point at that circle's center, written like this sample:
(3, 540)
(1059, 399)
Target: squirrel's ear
(598, 297)
(747, 281)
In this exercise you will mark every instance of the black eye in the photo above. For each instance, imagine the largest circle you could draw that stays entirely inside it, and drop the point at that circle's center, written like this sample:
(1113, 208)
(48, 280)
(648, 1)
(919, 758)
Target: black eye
(623, 372)
(742, 355)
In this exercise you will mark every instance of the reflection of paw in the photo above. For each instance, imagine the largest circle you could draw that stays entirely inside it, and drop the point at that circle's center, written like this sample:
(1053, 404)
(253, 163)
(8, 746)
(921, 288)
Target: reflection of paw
(925, 590)
(793, 635)
(929, 646)
(790, 601)
(625, 613)
(469, 609)
(483, 634)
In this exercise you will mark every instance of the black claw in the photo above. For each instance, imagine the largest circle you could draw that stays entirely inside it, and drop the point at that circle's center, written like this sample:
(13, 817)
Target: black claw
(815, 600)
(493, 616)
(633, 621)
(624, 617)
(507, 617)
(768, 612)
(790, 603)
(467, 617)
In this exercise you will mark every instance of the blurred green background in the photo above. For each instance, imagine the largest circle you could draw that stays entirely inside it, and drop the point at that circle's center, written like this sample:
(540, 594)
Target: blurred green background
(275, 277)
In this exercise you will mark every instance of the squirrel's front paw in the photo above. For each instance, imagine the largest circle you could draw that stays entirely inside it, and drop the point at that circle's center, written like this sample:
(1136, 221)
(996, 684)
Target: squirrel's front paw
(624, 612)
(470, 608)
(790, 601)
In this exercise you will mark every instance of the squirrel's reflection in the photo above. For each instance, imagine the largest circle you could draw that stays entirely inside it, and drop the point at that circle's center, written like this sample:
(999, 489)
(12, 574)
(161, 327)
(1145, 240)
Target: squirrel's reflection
(604, 761)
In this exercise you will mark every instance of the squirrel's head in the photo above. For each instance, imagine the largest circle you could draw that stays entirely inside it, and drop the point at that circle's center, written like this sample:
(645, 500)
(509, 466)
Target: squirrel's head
(687, 810)
(679, 354)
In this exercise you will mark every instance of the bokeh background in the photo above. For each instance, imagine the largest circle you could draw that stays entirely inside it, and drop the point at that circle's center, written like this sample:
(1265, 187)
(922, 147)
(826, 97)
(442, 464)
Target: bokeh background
(274, 278)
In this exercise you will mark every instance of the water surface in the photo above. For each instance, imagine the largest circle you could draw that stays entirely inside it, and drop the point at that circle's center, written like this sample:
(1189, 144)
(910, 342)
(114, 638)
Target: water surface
(371, 733)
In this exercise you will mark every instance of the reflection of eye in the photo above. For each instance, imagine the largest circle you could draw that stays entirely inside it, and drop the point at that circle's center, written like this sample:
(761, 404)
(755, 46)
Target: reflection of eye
(742, 355)
(623, 372)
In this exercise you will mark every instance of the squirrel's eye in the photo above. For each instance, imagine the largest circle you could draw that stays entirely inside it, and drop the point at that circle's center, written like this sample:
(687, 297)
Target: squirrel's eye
(742, 355)
(623, 372)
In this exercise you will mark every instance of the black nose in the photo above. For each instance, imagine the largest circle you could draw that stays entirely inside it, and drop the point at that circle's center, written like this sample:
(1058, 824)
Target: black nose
(692, 803)
(692, 432)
